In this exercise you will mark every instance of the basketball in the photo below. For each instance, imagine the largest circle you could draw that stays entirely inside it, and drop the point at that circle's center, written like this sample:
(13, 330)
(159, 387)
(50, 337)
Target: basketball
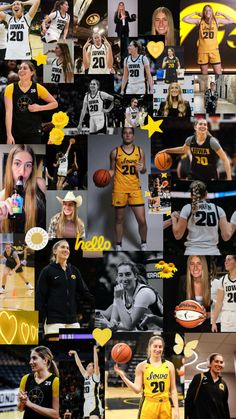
(72, 141)
(101, 178)
(121, 353)
(165, 183)
(190, 314)
(163, 161)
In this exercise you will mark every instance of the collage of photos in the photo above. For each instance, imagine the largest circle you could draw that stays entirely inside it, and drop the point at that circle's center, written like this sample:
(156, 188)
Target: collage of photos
(117, 209)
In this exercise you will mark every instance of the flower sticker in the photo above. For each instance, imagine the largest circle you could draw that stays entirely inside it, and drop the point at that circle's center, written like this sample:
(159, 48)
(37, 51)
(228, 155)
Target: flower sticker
(56, 136)
(166, 270)
(166, 273)
(60, 119)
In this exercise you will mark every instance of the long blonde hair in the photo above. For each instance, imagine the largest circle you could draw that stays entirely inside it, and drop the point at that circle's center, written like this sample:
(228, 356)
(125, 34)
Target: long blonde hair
(206, 294)
(67, 64)
(203, 14)
(62, 220)
(198, 193)
(118, 11)
(170, 36)
(169, 102)
(30, 201)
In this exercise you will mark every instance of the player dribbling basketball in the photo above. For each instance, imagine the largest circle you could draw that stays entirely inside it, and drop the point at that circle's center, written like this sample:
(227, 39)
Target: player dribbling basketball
(156, 376)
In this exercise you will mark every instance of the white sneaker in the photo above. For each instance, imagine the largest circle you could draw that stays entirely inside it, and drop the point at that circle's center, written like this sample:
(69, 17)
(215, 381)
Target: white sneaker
(29, 286)
(2, 290)
(118, 248)
(144, 247)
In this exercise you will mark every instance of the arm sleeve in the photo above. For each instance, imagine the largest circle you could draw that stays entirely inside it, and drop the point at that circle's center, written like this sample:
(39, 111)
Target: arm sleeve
(226, 405)
(15, 255)
(145, 60)
(82, 289)
(185, 212)
(42, 294)
(233, 218)
(9, 91)
(189, 399)
(23, 382)
(221, 212)
(52, 15)
(145, 298)
(55, 387)
(188, 141)
(50, 61)
(42, 92)
(214, 143)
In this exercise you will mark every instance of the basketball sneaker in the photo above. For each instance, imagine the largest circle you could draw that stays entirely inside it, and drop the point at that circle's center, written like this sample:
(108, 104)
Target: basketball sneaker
(2, 290)
(29, 286)
(118, 248)
(144, 247)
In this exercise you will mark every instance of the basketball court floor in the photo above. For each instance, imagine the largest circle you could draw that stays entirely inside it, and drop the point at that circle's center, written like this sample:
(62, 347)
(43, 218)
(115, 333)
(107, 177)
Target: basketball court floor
(17, 296)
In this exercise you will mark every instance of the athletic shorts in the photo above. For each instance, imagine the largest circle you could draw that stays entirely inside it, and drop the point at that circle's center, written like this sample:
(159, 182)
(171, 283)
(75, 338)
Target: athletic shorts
(138, 89)
(96, 123)
(228, 321)
(62, 173)
(91, 408)
(154, 409)
(121, 199)
(212, 57)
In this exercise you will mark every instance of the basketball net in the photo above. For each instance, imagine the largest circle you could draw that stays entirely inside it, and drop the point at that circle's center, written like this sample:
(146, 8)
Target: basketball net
(214, 123)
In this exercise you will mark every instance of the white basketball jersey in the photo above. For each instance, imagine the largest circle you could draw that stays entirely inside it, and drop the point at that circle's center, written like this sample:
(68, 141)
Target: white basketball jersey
(133, 113)
(98, 60)
(91, 386)
(58, 22)
(229, 287)
(57, 74)
(95, 104)
(18, 47)
(136, 69)
(63, 163)
(203, 234)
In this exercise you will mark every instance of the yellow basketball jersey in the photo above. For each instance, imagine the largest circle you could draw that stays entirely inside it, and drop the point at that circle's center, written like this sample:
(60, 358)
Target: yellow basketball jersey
(126, 178)
(156, 381)
(208, 37)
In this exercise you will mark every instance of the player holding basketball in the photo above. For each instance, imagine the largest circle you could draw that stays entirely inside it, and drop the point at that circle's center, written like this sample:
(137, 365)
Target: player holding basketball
(207, 395)
(62, 163)
(56, 24)
(208, 48)
(136, 72)
(204, 149)
(39, 391)
(94, 103)
(132, 114)
(225, 300)
(18, 47)
(97, 55)
(126, 162)
(156, 377)
(92, 403)
(202, 219)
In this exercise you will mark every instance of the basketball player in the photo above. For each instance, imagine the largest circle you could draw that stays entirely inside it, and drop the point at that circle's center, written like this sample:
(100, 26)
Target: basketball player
(18, 47)
(136, 72)
(126, 161)
(132, 114)
(97, 55)
(94, 103)
(39, 391)
(12, 266)
(202, 219)
(63, 165)
(91, 374)
(56, 24)
(208, 48)
(211, 99)
(225, 300)
(171, 64)
(156, 377)
(204, 150)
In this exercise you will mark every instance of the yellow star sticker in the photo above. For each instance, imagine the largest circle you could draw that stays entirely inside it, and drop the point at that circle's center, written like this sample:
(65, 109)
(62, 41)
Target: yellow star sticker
(152, 126)
(40, 58)
(147, 193)
(164, 175)
(168, 213)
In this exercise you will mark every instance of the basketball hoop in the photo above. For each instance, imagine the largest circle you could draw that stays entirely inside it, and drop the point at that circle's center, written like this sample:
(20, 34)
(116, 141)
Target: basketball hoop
(215, 123)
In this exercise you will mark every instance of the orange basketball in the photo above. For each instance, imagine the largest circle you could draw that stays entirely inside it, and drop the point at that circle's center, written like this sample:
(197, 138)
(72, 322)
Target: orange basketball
(190, 314)
(165, 183)
(163, 161)
(72, 141)
(121, 353)
(101, 178)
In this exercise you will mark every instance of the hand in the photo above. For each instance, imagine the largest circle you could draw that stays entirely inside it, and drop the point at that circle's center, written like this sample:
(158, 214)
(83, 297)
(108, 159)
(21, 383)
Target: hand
(175, 215)
(79, 128)
(119, 291)
(139, 167)
(71, 353)
(198, 14)
(119, 371)
(214, 327)
(5, 208)
(10, 139)
(34, 108)
(22, 397)
(23, 262)
(88, 43)
(218, 14)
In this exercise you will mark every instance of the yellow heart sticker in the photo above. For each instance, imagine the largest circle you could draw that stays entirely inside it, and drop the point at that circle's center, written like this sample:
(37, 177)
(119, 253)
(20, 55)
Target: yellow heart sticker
(8, 327)
(102, 336)
(25, 331)
(155, 48)
(33, 332)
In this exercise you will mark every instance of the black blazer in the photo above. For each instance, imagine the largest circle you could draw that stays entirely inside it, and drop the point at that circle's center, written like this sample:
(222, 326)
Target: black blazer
(120, 29)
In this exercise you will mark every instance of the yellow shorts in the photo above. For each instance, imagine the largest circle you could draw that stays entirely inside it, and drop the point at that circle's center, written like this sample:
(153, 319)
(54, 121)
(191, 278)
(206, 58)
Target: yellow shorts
(121, 199)
(149, 409)
(212, 57)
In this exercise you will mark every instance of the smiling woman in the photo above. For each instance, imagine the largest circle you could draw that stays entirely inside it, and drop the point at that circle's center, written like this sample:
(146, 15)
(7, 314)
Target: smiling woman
(39, 391)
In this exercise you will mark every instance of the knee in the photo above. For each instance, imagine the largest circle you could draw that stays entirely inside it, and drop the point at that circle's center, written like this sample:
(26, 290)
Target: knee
(120, 219)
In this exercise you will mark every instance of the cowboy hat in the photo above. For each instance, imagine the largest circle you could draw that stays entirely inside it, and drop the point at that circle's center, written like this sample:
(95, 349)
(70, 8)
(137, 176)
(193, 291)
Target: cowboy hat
(71, 197)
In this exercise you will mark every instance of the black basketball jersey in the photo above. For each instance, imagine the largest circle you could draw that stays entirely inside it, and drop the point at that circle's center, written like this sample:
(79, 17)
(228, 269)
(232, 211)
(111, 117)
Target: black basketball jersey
(25, 123)
(171, 67)
(10, 260)
(40, 394)
(204, 158)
